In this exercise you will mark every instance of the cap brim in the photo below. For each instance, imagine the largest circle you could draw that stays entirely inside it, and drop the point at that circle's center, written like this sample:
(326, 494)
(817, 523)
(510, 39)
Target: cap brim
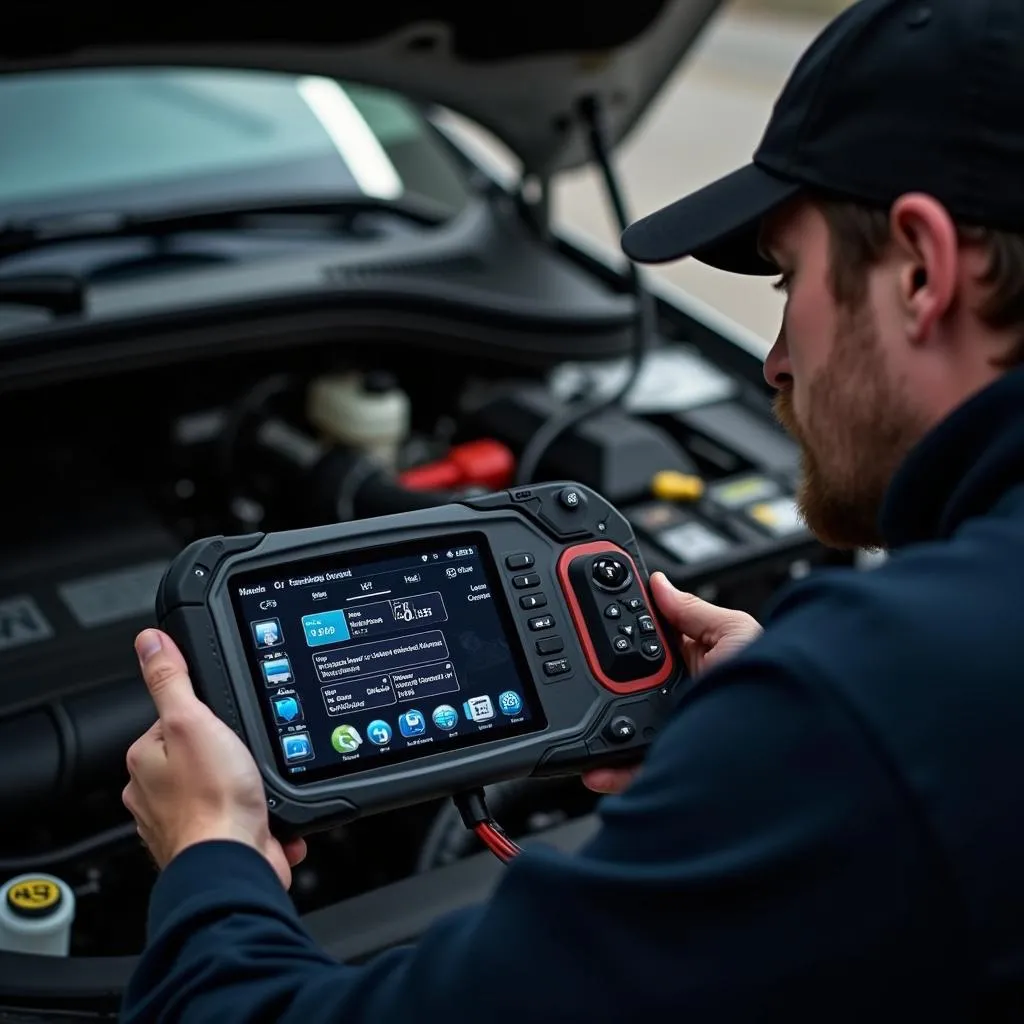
(719, 225)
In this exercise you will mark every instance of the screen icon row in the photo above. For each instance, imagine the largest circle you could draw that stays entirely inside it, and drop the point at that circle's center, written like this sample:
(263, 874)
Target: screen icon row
(347, 739)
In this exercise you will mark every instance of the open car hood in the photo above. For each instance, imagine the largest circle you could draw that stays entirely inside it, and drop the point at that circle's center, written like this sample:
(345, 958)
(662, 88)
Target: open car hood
(519, 71)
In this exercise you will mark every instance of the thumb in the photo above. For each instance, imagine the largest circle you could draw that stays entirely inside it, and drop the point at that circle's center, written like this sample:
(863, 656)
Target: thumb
(164, 671)
(689, 614)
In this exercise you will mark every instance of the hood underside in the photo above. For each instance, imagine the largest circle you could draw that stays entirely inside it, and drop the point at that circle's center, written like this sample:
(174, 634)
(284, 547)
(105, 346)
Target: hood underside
(520, 72)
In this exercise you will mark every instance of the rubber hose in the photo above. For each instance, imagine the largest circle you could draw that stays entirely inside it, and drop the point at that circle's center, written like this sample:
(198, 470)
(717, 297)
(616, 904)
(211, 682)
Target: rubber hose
(52, 755)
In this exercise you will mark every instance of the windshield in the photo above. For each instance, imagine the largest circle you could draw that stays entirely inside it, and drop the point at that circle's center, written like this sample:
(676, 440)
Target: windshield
(140, 138)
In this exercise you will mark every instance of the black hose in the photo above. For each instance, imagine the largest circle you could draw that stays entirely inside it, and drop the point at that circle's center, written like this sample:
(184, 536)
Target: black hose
(252, 403)
(53, 755)
(72, 851)
(341, 483)
(379, 494)
(644, 323)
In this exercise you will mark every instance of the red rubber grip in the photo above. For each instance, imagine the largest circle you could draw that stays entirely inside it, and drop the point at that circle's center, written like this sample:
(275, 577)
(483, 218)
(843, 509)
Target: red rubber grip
(634, 685)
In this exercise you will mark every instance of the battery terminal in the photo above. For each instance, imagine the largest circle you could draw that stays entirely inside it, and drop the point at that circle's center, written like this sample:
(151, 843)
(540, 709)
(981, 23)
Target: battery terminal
(671, 485)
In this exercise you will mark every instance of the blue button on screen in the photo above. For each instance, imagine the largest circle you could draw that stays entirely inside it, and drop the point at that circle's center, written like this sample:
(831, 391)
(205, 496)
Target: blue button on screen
(325, 628)
(412, 723)
(297, 747)
(379, 732)
(510, 702)
(286, 709)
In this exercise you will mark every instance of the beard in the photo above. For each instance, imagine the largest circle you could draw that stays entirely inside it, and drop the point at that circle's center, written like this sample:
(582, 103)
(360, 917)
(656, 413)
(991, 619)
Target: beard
(856, 430)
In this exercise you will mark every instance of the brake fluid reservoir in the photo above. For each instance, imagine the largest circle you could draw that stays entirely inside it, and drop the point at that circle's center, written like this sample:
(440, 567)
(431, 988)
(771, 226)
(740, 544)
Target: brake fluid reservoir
(367, 412)
(36, 915)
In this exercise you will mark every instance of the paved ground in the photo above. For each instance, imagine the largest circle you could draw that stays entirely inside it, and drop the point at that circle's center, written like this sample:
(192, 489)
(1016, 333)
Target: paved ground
(708, 122)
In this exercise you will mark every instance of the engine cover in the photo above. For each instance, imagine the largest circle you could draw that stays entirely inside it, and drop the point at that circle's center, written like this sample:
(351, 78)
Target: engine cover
(71, 696)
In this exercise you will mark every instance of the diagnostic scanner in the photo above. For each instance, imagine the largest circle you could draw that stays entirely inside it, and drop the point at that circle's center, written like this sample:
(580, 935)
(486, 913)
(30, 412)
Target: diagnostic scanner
(375, 664)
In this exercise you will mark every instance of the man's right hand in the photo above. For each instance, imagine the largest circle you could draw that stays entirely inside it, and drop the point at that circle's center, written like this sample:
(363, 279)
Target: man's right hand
(708, 636)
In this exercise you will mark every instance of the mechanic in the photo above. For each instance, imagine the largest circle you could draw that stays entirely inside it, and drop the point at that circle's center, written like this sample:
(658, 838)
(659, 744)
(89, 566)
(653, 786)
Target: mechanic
(832, 826)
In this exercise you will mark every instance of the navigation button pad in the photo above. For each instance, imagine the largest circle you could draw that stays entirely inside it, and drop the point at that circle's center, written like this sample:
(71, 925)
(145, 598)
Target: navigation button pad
(621, 639)
(651, 649)
(611, 574)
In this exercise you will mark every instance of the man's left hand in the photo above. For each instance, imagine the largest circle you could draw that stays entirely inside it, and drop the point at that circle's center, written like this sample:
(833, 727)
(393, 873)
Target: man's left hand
(192, 778)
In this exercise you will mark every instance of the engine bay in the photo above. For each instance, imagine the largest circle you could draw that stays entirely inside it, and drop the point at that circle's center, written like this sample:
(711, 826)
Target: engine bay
(113, 475)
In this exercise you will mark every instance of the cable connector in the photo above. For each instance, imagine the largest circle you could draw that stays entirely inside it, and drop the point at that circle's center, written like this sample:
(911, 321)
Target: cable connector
(472, 806)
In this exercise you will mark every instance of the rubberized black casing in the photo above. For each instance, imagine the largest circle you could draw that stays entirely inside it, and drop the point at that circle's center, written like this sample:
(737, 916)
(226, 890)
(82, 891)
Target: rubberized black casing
(585, 707)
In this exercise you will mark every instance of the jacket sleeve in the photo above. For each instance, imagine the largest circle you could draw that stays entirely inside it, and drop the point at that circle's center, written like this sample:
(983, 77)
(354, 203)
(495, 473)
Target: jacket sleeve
(764, 865)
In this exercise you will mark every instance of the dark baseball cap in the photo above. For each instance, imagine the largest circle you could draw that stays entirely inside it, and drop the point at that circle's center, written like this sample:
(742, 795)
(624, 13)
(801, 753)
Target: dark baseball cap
(894, 96)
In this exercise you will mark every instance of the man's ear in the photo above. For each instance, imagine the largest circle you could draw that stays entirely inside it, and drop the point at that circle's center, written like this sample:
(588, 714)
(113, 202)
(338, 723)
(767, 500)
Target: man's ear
(926, 242)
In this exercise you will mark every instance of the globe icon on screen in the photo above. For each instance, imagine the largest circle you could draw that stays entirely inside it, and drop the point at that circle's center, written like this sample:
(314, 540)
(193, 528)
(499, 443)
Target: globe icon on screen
(379, 732)
(445, 717)
(510, 702)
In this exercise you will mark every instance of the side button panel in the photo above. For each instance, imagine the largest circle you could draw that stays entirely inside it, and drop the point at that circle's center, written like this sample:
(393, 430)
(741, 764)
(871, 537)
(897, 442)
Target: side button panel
(526, 581)
(556, 667)
(550, 645)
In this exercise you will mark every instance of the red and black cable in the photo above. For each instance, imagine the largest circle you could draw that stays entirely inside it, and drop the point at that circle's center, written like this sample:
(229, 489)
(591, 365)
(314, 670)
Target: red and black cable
(473, 808)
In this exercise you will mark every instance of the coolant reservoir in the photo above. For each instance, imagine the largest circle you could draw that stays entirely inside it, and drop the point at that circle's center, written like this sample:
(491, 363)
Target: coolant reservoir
(367, 412)
(36, 915)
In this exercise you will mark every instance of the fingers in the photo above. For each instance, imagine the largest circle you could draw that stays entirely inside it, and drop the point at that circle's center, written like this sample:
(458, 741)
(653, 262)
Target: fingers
(692, 653)
(609, 780)
(294, 851)
(147, 751)
(132, 800)
(689, 614)
(165, 673)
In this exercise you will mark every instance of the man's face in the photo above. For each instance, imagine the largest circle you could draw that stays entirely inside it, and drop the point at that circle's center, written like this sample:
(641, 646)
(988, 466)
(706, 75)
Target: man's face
(841, 390)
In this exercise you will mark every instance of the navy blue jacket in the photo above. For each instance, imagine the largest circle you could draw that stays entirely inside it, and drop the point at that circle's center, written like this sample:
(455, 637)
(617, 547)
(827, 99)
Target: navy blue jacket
(832, 828)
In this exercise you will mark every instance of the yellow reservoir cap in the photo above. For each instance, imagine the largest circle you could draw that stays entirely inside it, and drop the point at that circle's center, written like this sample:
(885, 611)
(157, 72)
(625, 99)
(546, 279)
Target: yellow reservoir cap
(37, 915)
(34, 897)
(671, 485)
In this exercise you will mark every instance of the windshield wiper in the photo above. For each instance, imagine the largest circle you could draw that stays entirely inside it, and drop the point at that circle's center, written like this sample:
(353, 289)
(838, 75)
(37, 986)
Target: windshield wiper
(19, 235)
(61, 294)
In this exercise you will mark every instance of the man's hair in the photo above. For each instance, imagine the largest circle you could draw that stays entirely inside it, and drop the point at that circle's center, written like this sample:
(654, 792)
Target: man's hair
(860, 236)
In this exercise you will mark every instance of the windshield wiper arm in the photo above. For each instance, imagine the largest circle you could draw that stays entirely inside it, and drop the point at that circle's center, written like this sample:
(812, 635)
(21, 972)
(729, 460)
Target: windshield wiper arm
(18, 235)
(61, 294)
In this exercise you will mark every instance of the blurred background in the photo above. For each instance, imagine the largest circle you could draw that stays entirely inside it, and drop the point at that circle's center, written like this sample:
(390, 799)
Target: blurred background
(708, 122)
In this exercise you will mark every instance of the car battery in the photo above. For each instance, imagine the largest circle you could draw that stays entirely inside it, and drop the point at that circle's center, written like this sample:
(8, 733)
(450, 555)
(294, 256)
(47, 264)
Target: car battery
(756, 505)
(736, 544)
(680, 534)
